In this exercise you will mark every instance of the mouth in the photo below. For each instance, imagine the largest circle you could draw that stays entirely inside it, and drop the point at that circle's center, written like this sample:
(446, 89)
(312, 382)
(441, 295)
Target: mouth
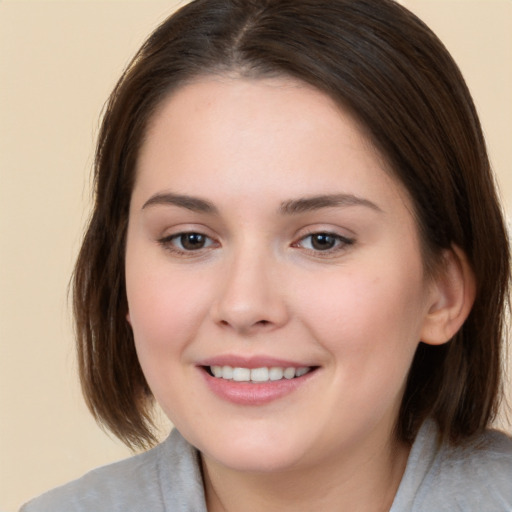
(256, 380)
(257, 375)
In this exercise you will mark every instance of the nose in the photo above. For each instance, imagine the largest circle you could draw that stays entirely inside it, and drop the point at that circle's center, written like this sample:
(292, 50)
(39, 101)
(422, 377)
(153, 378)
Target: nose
(251, 298)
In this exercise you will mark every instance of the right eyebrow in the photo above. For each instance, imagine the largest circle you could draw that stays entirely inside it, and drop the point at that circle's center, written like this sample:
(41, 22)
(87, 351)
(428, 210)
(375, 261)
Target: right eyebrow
(183, 201)
(306, 204)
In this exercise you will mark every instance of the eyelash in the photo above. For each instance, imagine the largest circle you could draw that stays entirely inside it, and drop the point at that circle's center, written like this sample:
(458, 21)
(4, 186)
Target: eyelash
(167, 243)
(340, 243)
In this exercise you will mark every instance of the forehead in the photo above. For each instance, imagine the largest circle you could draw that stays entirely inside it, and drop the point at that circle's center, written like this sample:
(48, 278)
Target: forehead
(266, 104)
(254, 135)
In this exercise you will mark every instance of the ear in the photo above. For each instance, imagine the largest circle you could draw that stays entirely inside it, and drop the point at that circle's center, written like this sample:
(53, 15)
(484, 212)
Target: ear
(452, 297)
(128, 319)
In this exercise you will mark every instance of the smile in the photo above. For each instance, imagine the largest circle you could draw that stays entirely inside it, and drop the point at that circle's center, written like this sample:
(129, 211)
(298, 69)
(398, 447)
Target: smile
(257, 375)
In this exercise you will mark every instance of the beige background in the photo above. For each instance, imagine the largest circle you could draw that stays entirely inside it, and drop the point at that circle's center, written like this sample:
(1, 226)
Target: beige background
(58, 62)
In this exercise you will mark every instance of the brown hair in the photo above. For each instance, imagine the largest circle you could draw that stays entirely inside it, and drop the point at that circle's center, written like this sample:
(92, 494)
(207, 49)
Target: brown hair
(378, 60)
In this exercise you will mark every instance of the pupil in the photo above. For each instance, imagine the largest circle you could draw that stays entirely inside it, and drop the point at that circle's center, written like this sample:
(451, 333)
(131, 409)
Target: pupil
(192, 241)
(323, 242)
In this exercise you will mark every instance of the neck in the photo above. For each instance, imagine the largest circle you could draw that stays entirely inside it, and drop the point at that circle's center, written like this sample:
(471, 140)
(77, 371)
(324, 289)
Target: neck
(367, 485)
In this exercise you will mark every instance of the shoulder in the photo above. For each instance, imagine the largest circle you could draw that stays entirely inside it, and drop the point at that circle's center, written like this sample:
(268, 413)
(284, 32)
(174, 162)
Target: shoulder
(119, 483)
(168, 472)
(478, 473)
(473, 476)
(490, 452)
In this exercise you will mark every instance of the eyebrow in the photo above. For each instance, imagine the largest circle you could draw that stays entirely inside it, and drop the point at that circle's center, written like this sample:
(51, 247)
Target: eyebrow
(307, 204)
(291, 207)
(190, 203)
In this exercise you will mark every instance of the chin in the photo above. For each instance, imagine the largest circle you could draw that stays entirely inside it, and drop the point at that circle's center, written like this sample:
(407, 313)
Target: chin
(255, 461)
(258, 453)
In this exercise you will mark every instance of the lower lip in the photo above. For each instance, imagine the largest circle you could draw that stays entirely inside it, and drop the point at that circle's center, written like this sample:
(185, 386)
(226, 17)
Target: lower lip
(249, 393)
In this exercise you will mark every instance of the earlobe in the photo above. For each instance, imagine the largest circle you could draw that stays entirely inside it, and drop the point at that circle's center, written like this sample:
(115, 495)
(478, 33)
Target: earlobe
(128, 319)
(453, 295)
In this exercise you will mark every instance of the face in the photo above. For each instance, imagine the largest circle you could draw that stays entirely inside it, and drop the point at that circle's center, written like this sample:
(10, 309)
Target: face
(274, 276)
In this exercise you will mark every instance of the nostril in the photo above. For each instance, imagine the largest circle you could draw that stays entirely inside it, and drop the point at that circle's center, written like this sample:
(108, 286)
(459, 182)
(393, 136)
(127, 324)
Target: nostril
(258, 323)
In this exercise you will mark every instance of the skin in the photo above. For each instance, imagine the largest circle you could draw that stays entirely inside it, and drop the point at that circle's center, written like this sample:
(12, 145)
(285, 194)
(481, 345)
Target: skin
(260, 287)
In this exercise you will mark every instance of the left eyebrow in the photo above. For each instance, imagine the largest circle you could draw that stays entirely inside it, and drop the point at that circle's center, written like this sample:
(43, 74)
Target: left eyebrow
(183, 201)
(307, 204)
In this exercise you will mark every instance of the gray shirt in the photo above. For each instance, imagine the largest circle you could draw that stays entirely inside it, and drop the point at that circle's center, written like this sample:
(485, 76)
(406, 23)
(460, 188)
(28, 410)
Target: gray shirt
(475, 477)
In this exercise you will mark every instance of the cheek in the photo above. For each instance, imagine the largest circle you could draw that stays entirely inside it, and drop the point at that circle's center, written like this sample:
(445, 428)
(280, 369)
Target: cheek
(366, 311)
(164, 307)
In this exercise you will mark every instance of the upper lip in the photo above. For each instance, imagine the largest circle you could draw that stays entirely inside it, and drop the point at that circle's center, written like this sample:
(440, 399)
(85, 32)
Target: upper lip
(251, 362)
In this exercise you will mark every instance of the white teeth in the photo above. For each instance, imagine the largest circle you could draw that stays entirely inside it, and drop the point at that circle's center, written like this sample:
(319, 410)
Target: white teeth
(299, 372)
(276, 373)
(241, 374)
(259, 374)
(227, 372)
(217, 371)
(289, 373)
(263, 374)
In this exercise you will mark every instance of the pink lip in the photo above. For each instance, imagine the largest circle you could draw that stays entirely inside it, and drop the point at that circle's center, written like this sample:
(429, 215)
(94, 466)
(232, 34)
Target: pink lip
(248, 393)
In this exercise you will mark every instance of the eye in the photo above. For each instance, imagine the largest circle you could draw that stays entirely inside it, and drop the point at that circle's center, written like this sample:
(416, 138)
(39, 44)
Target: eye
(324, 242)
(187, 242)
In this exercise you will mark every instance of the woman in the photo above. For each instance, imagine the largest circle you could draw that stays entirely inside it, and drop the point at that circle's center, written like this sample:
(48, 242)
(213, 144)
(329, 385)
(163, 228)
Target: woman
(296, 248)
